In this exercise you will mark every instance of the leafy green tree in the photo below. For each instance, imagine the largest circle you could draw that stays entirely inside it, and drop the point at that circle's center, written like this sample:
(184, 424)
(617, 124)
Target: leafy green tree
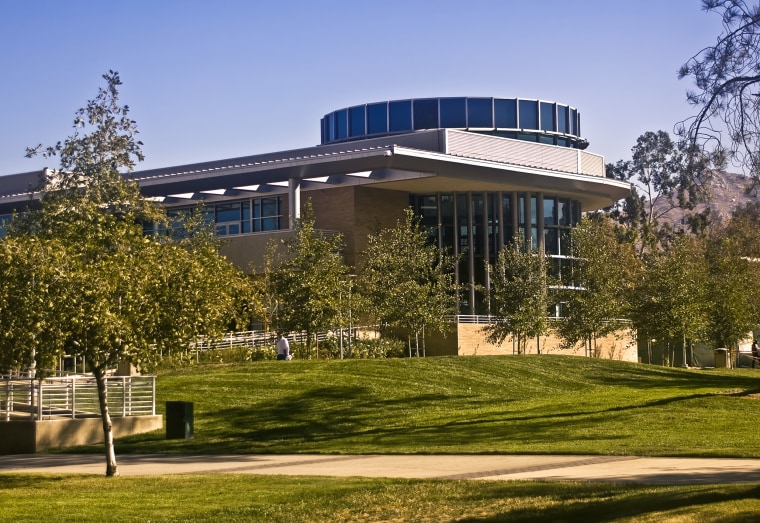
(310, 279)
(407, 282)
(661, 182)
(727, 81)
(113, 293)
(603, 274)
(732, 293)
(670, 300)
(519, 295)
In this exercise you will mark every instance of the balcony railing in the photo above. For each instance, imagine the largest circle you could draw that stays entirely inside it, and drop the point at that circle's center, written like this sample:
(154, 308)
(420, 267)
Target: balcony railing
(73, 397)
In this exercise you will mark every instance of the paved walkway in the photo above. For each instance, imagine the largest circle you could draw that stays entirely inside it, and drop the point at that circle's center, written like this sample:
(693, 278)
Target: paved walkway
(495, 467)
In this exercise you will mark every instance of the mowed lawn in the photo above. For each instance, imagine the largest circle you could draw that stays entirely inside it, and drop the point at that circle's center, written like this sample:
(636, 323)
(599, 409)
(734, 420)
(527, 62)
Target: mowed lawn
(509, 404)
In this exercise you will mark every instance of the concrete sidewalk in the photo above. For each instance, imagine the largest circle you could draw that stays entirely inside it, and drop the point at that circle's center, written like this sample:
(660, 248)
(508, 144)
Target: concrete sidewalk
(493, 467)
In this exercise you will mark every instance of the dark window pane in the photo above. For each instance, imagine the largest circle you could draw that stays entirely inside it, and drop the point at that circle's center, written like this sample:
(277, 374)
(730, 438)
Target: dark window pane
(233, 228)
(426, 114)
(547, 117)
(551, 241)
(563, 212)
(341, 124)
(505, 112)
(356, 120)
(574, 122)
(562, 123)
(331, 126)
(453, 113)
(228, 212)
(270, 224)
(377, 118)
(269, 207)
(549, 212)
(246, 210)
(546, 139)
(528, 114)
(480, 112)
(400, 116)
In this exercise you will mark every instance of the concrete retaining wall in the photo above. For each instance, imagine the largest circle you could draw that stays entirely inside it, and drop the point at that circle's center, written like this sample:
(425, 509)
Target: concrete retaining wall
(28, 437)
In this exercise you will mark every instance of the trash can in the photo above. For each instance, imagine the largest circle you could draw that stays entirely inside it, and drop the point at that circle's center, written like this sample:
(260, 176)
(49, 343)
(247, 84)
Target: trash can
(179, 420)
(721, 358)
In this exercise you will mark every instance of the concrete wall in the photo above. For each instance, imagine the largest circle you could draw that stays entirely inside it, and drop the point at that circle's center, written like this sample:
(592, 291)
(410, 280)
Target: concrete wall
(470, 340)
(28, 437)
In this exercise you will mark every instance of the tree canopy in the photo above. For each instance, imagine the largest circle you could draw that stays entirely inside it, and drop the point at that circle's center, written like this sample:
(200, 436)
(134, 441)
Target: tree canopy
(96, 285)
(726, 77)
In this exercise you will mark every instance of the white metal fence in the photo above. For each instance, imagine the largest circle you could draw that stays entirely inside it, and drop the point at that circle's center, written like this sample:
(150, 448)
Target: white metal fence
(75, 397)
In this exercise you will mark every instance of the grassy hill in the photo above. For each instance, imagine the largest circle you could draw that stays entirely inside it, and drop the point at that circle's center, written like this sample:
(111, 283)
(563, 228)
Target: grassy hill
(509, 404)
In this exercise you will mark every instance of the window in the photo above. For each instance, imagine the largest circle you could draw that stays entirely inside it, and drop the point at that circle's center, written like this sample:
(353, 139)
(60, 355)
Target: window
(341, 124)
(377, 118)
(400, 116)
(562, 123)
(453, 112)
(528, 114)
(426, 114)
(480, 112)
(505, 112)
(356, 121)
(547, 117)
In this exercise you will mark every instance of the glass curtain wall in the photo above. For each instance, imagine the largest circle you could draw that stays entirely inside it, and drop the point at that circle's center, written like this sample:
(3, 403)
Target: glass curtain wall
(474, 226)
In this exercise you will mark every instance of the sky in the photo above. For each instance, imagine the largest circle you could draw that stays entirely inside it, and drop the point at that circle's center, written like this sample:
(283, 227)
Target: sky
(208, 80)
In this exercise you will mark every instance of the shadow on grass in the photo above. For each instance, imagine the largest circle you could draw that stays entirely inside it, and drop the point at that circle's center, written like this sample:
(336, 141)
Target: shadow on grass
(592, 503)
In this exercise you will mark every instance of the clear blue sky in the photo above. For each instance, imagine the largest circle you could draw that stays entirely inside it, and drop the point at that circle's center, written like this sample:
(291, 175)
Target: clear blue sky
(217, 79)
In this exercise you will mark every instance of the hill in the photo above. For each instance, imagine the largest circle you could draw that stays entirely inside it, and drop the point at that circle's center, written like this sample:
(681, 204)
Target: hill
(499, 404)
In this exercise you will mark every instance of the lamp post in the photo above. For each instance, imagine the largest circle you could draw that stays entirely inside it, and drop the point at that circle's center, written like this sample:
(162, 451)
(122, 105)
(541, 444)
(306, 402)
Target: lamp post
(350, 322)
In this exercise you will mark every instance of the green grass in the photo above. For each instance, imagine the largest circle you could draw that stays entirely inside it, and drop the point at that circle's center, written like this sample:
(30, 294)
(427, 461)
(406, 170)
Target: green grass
(315, 499)
(510, 404)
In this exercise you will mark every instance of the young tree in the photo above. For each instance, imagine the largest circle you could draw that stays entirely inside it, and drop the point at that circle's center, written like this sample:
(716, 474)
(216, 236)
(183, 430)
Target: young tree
(732, 293)
(727, 80)
(604, 270)
(310, 279)
(519, 295)
(406, 281)
(113, 293)
(670, 299)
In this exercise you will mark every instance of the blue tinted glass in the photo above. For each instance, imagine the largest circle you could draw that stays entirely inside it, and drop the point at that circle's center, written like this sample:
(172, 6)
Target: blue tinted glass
(546, 139)
(505, 112)
(323, 129)
(562, 125)
(528, 114)
(550, 217)
(453, 112)
(480, 112)
(574, 122)
(341, 124)
(233, 228)
(377, 118)
(228, 212)
(578, 128)
(246, 210)
(269, 207)
(547, 117)
(356, 121)
(400, 115)
(426, 114)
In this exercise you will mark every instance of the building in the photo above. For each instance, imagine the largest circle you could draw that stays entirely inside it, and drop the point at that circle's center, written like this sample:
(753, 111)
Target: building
(478, 170)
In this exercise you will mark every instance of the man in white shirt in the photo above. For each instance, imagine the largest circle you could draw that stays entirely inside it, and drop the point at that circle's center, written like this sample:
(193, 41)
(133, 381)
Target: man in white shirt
(283, 348)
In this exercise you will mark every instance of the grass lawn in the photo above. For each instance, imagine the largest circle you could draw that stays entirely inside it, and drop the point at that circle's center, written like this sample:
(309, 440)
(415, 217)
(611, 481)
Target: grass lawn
(510, 404)
(233, 498)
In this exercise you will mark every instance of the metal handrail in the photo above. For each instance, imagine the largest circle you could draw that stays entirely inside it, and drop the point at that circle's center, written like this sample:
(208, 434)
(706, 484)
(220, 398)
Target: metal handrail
(72, 397)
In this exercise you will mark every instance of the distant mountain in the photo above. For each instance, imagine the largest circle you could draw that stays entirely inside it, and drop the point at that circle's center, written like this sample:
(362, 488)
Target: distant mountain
(728, 191)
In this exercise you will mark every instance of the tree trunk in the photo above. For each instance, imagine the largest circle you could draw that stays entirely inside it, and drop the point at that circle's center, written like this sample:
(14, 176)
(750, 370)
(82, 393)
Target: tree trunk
(100, 378)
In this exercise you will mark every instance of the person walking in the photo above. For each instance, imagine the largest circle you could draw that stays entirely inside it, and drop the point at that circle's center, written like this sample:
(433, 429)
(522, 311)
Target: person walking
(755, 353)
(283, 348)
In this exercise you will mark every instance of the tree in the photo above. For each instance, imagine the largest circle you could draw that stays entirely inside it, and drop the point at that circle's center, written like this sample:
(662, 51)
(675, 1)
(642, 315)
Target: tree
(112, 292)
(310, 279)
(406, 281)
(597, 303)
(727, 80)
(670, 301)
(733, 291)
(518, 295)
(661, 182)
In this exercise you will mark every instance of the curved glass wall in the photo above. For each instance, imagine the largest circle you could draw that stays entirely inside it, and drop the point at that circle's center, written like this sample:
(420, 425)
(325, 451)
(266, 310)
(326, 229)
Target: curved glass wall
(519, 118)
(475, 225)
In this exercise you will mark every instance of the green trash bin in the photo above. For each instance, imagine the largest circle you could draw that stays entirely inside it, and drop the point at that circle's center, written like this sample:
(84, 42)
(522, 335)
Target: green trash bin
(179, 420)
(721, 359)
